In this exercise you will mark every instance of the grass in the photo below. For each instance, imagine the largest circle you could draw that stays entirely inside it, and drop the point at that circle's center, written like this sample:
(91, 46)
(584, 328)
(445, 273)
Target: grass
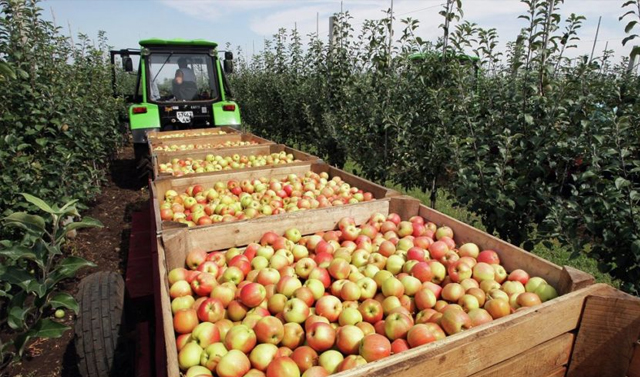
(557, 254)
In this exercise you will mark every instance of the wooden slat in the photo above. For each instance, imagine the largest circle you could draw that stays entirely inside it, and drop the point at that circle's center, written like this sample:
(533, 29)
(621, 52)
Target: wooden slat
(189, 133)
(634, 366)
(201, 154)
(538, 361)
(215, 139)
(225, 235)
(560, 372)
(167, 318)
(609, 328)
(512, 257)
(482, 347)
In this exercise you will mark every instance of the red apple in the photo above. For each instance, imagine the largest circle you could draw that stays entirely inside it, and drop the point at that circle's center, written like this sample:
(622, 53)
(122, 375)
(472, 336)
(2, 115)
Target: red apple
(375, 347)
(321, 336)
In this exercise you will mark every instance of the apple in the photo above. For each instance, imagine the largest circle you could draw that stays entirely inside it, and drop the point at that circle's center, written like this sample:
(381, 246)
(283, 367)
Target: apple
(330, 360)
(459, 271)
(269, 330)
(519, 275)
(236, 311)
(195, 258)
(180, 288)
(425, 299)
(252, 294)
(287, 285)
(371, 311)
(316, 286)
(305, 358)
(295, 310)
(512, 287)
(305, 294)
(205, 334)
(528, 299)
(349, 316)
(546, 292)
(293, 335)
(392, 287)
(374, 347)
(424, 333)
(234, 363)
(488, 256)
(497, 307)
(469, 302)
(452, 292)
(185, 320)
(329, 307)
(240, 337)
(211, 355)
(268, 276)
(500, 273)
(189, 355)
(316, 371)
(350, 362)
(455, 320)
(276, 303)
(184, 302)
(262, 355)
(293, 234)
(483, 271)
(321, 336)
(469, 250)
(397, 325)
(479, 295)
(203, 284)
(177, 274)
(348, 338)
(438, 271)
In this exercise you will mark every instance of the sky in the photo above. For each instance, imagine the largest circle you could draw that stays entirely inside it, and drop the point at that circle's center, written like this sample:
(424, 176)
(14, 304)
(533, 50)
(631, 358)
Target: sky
(246, 23)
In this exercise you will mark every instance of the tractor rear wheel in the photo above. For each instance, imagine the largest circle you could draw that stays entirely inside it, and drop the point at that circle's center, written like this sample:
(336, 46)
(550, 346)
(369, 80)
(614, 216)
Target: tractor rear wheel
(100, 324)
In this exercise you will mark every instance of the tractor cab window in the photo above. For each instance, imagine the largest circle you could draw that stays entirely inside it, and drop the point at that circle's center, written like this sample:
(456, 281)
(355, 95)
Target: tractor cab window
(175, 77)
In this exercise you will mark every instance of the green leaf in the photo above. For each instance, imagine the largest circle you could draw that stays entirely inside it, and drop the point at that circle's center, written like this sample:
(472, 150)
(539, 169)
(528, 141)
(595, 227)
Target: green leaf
(67, 269)
(17, 276)
(627, 39)
(86, 222)
(621, 182)
(625, 15)
(47, 328)
(630, 26)
(38, 203)
(16, 316)
(528, 119)
(31, 223)
(20, 252)
(64, 300)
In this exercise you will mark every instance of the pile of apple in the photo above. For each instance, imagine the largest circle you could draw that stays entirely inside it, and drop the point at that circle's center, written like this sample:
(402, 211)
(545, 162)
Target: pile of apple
(179, 167)
(325, 303)
(192, 134)
(190, 147)
(247, 199)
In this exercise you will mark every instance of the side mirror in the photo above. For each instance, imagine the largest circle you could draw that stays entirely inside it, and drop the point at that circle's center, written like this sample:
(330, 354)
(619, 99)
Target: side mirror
(228, 66)
(127, 64)
(228, 55)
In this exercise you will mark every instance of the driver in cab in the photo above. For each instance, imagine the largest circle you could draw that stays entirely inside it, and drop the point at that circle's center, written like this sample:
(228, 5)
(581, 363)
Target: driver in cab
(183, 89)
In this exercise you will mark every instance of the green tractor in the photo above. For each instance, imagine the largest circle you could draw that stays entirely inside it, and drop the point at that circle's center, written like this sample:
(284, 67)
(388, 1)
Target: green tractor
(179, 84)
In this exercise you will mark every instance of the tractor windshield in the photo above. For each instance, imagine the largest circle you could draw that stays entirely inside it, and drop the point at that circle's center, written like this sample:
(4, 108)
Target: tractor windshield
(173, 77)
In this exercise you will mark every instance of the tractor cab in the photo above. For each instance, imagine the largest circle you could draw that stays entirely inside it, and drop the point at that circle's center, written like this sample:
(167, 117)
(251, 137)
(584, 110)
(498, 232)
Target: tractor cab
(179, 84)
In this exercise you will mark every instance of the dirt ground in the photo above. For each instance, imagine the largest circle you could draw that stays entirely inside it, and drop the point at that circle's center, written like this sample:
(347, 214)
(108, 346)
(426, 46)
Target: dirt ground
(107, 247)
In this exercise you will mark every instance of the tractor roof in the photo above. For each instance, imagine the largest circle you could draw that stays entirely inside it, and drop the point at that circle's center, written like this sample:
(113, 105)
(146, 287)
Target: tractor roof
(177, 42)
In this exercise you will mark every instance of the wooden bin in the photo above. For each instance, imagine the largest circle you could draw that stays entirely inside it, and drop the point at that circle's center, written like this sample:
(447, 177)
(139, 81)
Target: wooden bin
(214, 140)
(159, 187)
(588, 331)
(185, 134)
(304, 159)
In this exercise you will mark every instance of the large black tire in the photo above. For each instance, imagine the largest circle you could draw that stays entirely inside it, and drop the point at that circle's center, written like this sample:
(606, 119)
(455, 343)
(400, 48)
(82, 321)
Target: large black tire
(144, 166)
(99, 324)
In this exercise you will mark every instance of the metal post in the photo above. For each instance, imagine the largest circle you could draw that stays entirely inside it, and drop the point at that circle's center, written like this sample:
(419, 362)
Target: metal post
(595, 40)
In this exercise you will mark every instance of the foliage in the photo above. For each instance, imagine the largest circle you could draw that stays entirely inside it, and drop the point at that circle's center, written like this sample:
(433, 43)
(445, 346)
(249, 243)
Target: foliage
(59, 121)
(540, 146)
(32, 269)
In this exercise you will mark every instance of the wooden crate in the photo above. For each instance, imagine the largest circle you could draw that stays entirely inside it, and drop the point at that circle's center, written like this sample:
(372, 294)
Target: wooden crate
(564, 336)
(159, 187)
(215, 140)
(185, 134)
(304, 159)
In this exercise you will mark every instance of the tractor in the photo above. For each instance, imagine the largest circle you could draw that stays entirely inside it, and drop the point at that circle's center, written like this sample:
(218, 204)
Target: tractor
(179, 84)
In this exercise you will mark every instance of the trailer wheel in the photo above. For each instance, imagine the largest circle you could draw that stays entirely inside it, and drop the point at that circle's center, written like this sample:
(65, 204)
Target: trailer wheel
(99, 324)
(144, 166)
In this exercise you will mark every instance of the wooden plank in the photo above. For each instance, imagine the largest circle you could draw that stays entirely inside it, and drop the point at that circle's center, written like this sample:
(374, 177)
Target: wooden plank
(511, 257)
(201, 154)
(196, 132)
(634, 366)
(215, 139)
(573, 279)
(405, 206)
(560, 372)
(173, 370)
(225, 235)
(484, 346)
(538, 361)
(609, 329)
